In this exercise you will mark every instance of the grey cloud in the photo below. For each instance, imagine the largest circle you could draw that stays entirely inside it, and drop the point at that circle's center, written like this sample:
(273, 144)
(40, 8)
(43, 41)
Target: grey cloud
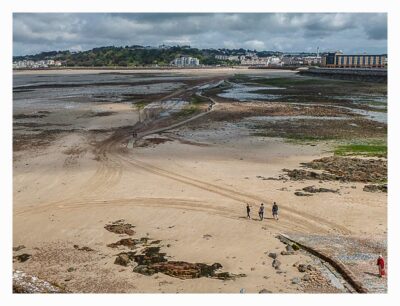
(35, 32)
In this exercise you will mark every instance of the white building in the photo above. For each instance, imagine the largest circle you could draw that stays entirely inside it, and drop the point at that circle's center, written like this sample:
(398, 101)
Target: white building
(312, 60)
(185, 61)
(292, 61)
(274, 61)
(228, 57)
(254, 60)
(36, 64)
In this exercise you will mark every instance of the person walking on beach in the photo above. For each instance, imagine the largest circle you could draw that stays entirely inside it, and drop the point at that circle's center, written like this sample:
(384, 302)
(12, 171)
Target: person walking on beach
(248, 211)
(261, 212)
(275, 211)
(381, 265)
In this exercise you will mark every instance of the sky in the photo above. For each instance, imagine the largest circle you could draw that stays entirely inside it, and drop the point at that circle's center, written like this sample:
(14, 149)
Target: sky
(288, 32)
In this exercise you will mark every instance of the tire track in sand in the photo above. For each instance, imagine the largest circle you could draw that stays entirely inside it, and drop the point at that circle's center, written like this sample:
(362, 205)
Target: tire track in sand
(233, 194)
(183, 204)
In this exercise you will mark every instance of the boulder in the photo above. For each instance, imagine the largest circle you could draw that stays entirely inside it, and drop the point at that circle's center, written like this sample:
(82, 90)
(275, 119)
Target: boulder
(276, 264)
(122, 260)
(273, 255)
(23, 257)
(142, 269)
(310, 268)
(375, 188)
(302, 268)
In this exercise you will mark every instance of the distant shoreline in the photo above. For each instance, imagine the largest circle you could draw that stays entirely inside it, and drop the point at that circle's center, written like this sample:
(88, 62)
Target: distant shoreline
(130, 68)
(88, 70)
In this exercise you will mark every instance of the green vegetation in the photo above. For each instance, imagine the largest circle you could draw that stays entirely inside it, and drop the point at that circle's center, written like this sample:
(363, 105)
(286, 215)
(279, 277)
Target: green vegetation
(188, 111)
(198, 99)
(140, 105)
(294, 138)
(132, 56)
(377, 149)
(307, 139)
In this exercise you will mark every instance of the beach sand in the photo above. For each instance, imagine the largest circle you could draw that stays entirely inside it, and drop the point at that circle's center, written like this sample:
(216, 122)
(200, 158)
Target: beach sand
(189, 192)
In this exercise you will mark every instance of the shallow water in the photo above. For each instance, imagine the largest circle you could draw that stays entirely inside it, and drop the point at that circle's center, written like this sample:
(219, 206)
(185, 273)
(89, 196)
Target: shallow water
(373, 101)
(210, 86)
(79, 90)
(292, 118)
(164, 108)
(242, 92)
(371, 115)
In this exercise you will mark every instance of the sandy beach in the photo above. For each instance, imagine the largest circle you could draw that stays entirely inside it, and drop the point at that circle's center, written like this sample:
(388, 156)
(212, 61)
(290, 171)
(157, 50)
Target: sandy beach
(183, 191)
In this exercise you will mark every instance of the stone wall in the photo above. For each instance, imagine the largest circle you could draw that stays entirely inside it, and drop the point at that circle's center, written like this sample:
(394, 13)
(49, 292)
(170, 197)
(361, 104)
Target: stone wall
(369, 75)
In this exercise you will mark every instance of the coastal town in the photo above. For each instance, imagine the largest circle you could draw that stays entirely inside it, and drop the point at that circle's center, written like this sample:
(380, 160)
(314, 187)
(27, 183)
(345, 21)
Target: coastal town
(226, 57)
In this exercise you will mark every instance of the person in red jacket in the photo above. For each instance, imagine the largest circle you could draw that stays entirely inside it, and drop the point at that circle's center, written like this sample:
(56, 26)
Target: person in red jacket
(381, 265)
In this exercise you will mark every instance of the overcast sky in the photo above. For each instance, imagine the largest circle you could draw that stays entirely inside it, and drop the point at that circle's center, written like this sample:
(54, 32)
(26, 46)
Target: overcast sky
(349, 32)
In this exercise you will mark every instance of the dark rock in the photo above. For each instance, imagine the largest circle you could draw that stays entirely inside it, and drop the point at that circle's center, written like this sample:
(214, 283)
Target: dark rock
(185, 270)
(142, 269)
(273, 255)
(302, 268)
(295, 280)
(302, 194)
(23, 257)
(299, 175)
(306, 278)
(312, 189)
(71, 269)
(149, 256)
(118, 227)
(276, 264)
(216, 266)
(311, 268)
(128, 242)
(265, 291)
(352, 169)
(85, 248)
(223, 275)
(375, 188)
(124, 258)
(151, 261)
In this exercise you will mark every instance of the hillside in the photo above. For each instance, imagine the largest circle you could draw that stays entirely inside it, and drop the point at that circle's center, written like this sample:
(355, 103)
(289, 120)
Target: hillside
(129, 56)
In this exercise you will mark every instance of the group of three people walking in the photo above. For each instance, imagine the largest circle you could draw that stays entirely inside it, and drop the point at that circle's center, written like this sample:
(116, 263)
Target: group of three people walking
(261, 211)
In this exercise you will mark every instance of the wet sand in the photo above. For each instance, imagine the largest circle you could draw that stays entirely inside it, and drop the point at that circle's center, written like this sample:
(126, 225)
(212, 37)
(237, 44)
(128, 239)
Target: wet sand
(189, 192)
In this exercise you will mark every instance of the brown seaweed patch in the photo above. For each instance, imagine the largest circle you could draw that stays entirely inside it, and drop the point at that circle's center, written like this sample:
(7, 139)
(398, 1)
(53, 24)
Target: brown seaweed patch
(119, 227)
